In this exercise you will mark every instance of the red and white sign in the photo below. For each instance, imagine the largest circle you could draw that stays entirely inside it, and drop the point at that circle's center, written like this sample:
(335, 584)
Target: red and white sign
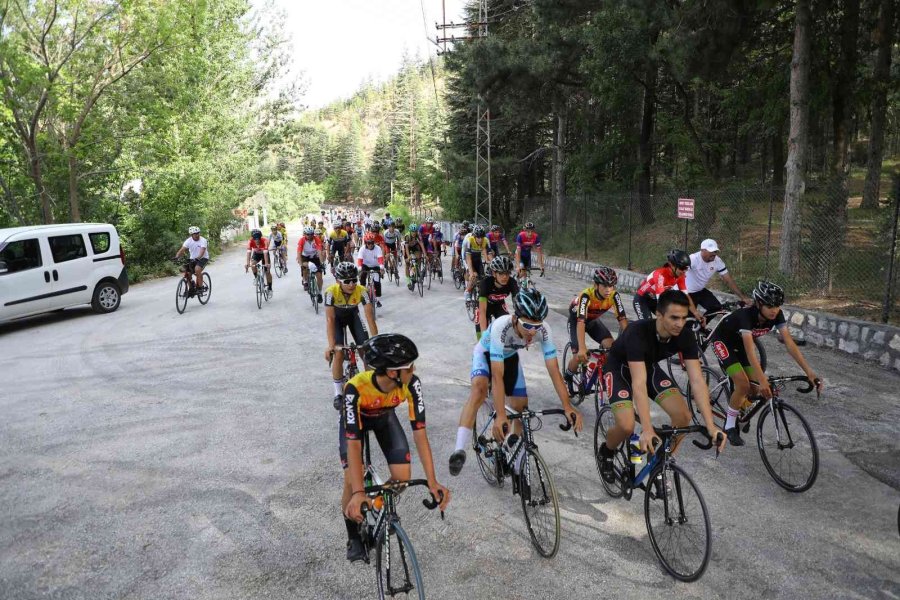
(685, 208)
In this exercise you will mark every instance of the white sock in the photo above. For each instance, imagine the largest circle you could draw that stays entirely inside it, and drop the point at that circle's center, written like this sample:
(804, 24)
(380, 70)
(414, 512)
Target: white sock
(731, 418)
(463, 438)
(339, 387)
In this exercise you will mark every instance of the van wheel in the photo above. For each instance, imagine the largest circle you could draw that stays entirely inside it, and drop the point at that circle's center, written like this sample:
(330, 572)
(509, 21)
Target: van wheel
(106, 297)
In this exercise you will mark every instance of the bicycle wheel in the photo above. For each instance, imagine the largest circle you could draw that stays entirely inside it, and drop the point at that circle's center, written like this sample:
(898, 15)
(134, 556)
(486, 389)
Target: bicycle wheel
(395, 559)
(420, 283)
(472, 310)
(678, 522)
(487, 452)
(396, 275)
(259, 292)
(314, 293)
(719, 388)
(539, 503)
(787, 447)
(278, 268)
(457, 279)
(576, 387)
(370, 292)
(605, 420)
(181, 296)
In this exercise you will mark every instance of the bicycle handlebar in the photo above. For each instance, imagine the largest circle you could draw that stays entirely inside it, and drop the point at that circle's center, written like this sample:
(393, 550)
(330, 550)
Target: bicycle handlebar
(549, 411)
(397, 487)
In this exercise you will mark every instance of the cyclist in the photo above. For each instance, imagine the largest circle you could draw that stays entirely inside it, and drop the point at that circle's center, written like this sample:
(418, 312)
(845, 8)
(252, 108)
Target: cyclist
(437, 241)
(733, 345)
(492, 293)
(309, 250)
(705, 264)
(632, 376)
(584, 316)
(495, 236)
(495, 362)
(426, 234)
(342, 302)
(258, 252)
(368, 221)
(667, 277)
(371, 258)
(197, 248)
(338, 240)
(525, 241)
(474, 249)
(387, 221)
(370, 400)
(276, 242)
(457, 243)
(379, 238)
(412, 247)
(391, 237)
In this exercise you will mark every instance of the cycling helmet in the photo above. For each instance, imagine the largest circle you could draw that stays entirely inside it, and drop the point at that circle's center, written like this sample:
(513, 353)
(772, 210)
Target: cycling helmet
(679, 258)
(605, 275)
(413, 228)
(529, 225)
(770, 294)
(193, 229)
(389, 351)
(429, 220)
(256, 234)
(478, 231)
(308, 231)
(530, 304)
(369, 237)
(501, 264)
(387, 215)
(345, 270)
(466, 224)
(376, 226)
(319, 231)
(273, 226)
(495, 228)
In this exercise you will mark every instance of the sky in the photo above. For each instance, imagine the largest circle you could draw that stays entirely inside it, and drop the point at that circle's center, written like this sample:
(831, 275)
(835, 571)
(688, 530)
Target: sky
(338, 44)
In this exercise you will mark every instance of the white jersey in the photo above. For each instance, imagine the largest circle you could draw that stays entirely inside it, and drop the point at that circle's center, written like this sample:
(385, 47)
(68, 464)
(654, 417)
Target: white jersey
(373, 257)
(198, 248)
(701, 272)
(501, 340)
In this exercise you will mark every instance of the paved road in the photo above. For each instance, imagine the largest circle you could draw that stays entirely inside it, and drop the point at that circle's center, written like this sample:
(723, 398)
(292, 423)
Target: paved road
(147, 454)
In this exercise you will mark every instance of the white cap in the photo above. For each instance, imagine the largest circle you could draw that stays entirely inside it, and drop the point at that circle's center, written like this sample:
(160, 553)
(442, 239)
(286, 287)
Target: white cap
(709, 245)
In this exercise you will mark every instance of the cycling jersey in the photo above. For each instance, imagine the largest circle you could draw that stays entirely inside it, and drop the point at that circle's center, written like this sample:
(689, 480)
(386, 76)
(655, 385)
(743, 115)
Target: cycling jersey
(494, 293)
(337, 299)
(588, 306)
(309, 248)
(373, 257)
(495, 237)
(257, 247)
(339, 236)
(471, 245)
(362, 397)
(276, 239)
(458, 238)
(659, 281)
(391, 237)
(526, 240)
(747, 320)
(501, 341)
(413, 243)
(640, 343)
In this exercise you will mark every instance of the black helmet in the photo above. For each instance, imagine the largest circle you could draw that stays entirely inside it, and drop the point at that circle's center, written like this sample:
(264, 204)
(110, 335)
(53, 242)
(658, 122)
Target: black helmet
(256, 234)
(465, 224)
(389, 351)
(346, 270)
(478, 231)
(679, 258)
(770, 294)
(529, 225)
(605, 275)
(501, 264)
(530, 304)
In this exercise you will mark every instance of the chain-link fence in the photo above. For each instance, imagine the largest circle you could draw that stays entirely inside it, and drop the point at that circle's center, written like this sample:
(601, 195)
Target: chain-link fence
(845, 257)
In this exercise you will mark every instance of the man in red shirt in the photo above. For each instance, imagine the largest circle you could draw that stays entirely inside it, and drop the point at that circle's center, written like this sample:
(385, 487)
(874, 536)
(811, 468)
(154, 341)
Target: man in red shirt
(667, 277)
(257, 250)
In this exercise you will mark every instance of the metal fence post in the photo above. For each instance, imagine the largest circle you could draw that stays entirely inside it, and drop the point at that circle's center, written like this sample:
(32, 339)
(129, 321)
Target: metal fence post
(630, 211)
(888, 291)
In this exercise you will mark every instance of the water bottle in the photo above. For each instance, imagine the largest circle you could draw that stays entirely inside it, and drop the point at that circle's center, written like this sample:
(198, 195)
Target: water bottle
(634, 444)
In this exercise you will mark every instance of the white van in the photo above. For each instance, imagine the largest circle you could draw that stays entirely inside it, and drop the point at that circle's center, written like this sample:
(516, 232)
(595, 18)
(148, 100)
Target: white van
(50, 267)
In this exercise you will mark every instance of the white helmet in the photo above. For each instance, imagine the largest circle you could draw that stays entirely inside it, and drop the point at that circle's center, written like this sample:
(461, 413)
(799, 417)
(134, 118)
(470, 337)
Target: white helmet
(193, 229)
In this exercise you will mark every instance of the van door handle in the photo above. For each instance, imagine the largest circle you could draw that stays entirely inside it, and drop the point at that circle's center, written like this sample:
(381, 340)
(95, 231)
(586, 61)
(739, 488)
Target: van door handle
(47, 276)
(55, 275)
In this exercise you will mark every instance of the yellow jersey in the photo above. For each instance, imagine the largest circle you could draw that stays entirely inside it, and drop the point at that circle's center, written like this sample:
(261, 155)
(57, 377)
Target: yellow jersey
(471, 244)
(588, 306)
(363, 398)
(336, 298)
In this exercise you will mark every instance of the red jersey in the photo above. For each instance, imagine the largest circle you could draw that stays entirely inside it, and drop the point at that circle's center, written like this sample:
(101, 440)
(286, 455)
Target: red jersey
(495, 237)
(258, 246)
(659, 281)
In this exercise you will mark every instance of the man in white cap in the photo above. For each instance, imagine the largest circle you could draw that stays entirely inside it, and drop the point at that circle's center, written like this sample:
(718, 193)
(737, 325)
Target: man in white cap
(704, 265)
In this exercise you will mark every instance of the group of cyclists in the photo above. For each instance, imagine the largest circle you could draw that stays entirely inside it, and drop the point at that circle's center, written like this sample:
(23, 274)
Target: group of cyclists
(357, 246)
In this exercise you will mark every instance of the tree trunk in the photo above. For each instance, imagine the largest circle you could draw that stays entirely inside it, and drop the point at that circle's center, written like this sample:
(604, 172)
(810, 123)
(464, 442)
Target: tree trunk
(74, 209)
(559, 169)
(37, 177)
(645, 146)
(882, 80)
(789, 255)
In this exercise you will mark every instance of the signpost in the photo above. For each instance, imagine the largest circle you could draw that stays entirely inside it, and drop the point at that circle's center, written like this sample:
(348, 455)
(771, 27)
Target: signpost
(686, 212)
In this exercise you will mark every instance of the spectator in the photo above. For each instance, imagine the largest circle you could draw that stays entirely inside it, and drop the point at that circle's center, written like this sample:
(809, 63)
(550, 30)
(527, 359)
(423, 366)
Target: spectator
(704, 265)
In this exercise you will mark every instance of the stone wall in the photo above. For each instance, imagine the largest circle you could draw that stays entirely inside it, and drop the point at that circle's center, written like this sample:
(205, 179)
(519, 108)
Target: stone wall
(872, 342)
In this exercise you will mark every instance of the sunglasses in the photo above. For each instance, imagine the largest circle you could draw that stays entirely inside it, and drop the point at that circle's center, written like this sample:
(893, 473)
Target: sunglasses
(348, 281)
(530, 326)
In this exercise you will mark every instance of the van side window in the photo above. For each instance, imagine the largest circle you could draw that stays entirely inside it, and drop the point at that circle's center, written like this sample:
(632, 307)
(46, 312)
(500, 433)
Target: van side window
(67, 247)
(99, 242)
(21, 255)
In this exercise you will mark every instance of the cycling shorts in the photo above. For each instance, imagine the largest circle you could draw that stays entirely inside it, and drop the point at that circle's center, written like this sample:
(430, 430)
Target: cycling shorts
(525, 262)
(495, 310)
(313, 259)
(617, 385)
(644, 306)
(513, 377)
(349, 319)
(732, 357)
(593, 328)
(494, 248)
(392, 247)
(388, 432)
(258, 257)
(477, 265)
(277, 243)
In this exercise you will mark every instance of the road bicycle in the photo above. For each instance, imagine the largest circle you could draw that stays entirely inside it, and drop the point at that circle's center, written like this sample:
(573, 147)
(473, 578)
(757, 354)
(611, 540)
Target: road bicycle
(350, 367)
(586, 379)
(519, 459)
(396, 567)
(390, 267)
(417, 273)
(525, 281)
(371, 292)
(459, 275)
(674, 509)
(187, 288)
(278, 261)
(312, 285)
(785, 440)
(260, 285)
(435, 268)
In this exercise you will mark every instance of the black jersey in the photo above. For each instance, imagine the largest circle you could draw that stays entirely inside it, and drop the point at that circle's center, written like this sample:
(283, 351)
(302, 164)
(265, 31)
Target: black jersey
(640, 343)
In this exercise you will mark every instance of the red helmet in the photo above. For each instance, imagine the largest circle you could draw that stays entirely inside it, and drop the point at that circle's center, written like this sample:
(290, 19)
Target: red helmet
(369, 237)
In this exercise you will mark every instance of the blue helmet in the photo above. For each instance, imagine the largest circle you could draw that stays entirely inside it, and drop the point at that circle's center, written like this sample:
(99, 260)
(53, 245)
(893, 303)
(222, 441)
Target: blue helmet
(530, 304)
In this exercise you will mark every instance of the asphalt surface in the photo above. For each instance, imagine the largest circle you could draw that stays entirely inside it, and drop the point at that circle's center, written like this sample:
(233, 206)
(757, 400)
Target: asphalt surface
(147, 454)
